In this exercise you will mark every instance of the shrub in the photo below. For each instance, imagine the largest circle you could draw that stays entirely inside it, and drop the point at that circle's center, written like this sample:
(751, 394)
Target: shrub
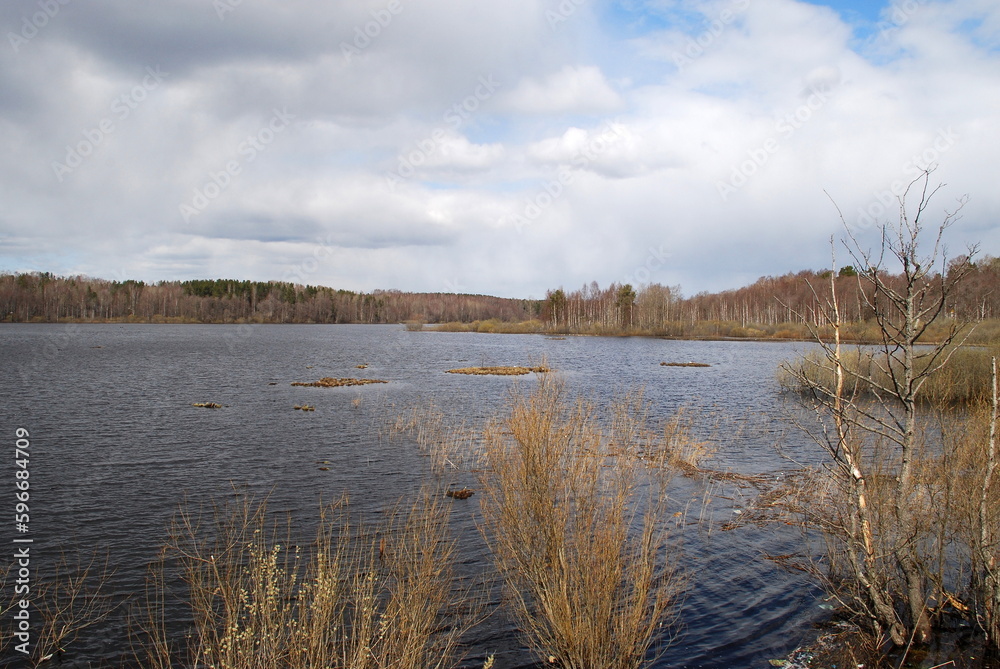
(590, 582)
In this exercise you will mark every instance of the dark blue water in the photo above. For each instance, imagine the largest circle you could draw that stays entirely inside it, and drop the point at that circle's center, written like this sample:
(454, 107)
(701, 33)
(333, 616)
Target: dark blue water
(116, 446)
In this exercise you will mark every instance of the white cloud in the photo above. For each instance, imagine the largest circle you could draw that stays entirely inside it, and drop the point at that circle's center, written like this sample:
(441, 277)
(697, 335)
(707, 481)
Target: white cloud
(617, 145)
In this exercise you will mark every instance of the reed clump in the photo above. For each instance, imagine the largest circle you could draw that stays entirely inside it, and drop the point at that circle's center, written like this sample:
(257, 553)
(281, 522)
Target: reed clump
(580, 543)
(965, 379)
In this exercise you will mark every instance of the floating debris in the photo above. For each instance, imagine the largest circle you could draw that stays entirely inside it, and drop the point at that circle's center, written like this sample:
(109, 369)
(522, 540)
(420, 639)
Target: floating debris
(330, 382)
(464, 493)
(499, 371)
(305, 407)
(207, 405)
(684, 364)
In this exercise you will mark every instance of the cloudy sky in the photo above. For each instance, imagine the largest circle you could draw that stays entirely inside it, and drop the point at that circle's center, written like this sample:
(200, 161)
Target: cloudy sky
(490, 147)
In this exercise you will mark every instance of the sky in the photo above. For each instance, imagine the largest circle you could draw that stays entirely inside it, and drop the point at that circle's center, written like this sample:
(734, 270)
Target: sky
(504, 148)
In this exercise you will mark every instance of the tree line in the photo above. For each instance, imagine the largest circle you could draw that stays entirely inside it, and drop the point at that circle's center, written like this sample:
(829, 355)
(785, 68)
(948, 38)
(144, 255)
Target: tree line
(759, 308)
(43, 297)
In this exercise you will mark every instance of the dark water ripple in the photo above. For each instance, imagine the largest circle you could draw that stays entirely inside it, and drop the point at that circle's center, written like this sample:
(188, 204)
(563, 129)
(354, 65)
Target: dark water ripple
(117, 445)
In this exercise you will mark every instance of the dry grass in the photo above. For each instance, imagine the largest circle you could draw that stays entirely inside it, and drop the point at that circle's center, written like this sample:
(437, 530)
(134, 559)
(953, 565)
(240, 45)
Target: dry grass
(331, 382)
(500, 371)
(965, 379)
(450, 446)
(353, 597)
(582, 550)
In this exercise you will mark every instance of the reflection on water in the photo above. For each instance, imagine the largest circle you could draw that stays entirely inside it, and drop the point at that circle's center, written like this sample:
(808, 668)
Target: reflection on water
(117, 445)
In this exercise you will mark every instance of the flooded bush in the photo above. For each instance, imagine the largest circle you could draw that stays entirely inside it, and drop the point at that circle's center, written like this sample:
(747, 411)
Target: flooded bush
(354, 597)
(581, 546)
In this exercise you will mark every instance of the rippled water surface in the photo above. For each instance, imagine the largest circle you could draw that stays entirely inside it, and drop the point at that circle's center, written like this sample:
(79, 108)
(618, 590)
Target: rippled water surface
(116, 445)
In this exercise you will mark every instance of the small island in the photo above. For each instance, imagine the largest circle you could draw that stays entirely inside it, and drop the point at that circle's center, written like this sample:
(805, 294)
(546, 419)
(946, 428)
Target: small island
(330, 382)
(499, 371)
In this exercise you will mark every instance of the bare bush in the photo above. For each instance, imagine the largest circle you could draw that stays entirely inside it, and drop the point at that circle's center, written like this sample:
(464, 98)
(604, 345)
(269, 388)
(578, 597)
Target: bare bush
(67, 600)
(354, 597)
(580, 543)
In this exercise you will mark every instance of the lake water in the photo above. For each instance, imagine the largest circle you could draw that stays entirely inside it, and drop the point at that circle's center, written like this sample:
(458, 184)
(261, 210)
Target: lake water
(116, 446)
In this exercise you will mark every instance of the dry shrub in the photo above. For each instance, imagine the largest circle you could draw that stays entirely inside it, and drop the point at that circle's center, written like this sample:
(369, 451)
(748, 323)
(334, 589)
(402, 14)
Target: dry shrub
(582, 550)
(353, 597)
(66, 601)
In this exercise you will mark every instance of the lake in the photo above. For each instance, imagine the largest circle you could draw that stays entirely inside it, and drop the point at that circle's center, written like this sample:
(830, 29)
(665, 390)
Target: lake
(116, 445)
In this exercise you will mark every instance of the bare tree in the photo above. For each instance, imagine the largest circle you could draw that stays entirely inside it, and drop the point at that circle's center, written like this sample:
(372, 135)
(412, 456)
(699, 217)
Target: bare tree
(872, 409)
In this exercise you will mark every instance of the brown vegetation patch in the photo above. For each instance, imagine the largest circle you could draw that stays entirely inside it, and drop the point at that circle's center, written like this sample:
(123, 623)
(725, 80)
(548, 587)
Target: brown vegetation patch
(684, 364)
(330, 382)
(500, 371)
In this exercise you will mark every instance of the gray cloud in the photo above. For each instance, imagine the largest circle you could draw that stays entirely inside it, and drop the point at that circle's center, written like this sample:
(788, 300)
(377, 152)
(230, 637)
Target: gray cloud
(390, 156)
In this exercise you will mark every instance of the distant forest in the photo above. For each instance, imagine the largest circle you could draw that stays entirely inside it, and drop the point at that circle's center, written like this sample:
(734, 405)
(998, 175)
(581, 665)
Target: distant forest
(757, 309)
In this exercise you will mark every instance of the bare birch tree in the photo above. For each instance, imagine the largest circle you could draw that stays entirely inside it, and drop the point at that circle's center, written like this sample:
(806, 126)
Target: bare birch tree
(872, 411)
